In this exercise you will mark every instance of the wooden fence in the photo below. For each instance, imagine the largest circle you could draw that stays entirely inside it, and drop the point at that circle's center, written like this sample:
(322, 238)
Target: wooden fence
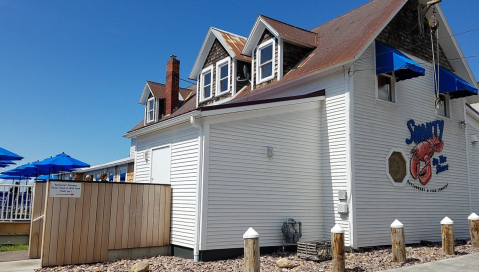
(106, 216)
(36, 225)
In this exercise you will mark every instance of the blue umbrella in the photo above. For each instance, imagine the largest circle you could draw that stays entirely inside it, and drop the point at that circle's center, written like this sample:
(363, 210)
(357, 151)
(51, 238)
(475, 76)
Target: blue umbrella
(6, 162)
(7, 155)
(14, 177)
(10, 172)
(29, 170)
(60, 163)
(43, 177)
(20, 172)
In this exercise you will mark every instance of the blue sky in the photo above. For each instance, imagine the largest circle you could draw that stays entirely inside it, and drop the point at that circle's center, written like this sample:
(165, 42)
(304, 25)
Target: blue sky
(71, 72)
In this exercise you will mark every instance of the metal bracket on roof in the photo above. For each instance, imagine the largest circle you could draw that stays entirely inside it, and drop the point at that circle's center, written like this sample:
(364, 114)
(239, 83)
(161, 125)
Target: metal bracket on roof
(429, 5)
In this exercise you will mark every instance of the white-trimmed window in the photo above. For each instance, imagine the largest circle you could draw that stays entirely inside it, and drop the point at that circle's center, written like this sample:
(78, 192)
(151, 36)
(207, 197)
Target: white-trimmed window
(150, 110)
(386, 85)
(265, 61)
(206, 90)
(223, 76)
(444, 108)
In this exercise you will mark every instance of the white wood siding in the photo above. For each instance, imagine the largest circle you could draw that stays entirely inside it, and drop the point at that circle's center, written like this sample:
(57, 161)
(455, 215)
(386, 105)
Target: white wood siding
(248, 189)
(132, 147)
(184, 163)
(378, 127)
(473, 152)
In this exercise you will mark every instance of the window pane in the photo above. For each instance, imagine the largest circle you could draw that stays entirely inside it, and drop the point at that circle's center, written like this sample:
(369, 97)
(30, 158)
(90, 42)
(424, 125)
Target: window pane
(151, 116)
(207, 79)
(442, 107)
(207, 92)
(266, 54)
(224, 71)
(384, 92)
(151, 104)
(224, 84)
(384, 88)
(267, 70)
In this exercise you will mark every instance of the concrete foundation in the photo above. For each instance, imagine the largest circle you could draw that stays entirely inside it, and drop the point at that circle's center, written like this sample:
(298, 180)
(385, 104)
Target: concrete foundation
(142, 252)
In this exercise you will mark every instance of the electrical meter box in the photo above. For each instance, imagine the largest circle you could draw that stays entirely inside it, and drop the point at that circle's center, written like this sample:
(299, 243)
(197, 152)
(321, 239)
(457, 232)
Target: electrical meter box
(342, 208)
(343, 195)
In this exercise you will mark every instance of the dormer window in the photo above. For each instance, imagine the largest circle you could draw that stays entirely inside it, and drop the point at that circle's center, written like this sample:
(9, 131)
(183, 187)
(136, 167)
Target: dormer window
(265, 62)
(223, 76)
(150, 111)
(206, 83)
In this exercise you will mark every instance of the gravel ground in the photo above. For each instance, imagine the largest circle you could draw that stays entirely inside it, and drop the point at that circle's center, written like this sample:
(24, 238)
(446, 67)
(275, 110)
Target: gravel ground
(374, 260)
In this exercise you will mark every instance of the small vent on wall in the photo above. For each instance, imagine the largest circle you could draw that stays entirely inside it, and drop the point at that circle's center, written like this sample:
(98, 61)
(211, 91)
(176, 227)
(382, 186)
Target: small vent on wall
(474, 139)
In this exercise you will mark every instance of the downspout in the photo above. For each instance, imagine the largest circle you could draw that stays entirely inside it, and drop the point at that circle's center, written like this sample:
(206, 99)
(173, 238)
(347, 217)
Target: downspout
(196, 249)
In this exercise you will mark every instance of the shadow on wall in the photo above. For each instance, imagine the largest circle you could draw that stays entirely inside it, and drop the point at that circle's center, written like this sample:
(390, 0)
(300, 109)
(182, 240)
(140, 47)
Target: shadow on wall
(326, 176)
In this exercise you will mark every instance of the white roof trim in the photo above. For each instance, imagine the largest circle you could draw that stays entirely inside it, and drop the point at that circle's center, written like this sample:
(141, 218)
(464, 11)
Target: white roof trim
(253, 38)
(106, 165)
(261, 106)
(161, 125)
(144, 95)
(213, 33)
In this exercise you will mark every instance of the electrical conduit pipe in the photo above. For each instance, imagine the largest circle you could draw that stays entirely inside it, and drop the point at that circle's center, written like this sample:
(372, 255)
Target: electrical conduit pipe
(196, 249)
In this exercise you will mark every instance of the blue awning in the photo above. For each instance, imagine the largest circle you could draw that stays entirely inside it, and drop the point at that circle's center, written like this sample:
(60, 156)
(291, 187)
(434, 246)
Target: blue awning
(454, 85)
(390, 60)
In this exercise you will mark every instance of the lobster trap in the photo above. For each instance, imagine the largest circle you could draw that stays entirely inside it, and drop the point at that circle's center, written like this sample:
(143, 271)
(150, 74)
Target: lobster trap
(316, 250)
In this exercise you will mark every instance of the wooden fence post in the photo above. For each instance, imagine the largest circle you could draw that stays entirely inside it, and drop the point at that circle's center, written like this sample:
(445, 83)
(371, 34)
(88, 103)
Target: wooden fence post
(398, 244)
(337, 248)
(474, 229)
(447, 227)
(251, 251)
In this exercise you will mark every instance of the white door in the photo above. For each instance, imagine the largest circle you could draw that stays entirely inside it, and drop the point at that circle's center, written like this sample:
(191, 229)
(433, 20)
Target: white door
(160, 165)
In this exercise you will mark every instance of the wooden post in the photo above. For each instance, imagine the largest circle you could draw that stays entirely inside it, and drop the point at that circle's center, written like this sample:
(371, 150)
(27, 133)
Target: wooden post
(447, 227)
(398, 244)
(474, 229)
(337, 249)
(251, 251)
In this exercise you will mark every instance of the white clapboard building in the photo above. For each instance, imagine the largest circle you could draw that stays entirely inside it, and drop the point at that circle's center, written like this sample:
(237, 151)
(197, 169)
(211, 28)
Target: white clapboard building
(344, 123)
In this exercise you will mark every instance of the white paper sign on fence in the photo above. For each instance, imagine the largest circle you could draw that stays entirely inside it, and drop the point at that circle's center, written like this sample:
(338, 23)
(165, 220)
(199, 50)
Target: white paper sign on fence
(65, 189)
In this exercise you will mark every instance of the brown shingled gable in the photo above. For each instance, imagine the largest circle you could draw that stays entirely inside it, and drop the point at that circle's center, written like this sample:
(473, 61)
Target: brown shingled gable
(187, 106)
(340, 40)
(292, 33)
(158, 90)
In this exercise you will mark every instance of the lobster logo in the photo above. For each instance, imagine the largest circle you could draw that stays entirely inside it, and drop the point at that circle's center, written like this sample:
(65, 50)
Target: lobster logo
(423, 152)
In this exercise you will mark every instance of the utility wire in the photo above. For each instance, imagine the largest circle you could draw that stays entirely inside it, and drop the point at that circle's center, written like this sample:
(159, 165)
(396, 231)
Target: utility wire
(182, 79)
(187, 81)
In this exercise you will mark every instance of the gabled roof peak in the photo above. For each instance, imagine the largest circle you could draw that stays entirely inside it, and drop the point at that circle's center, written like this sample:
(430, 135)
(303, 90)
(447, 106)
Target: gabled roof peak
(279, 29)
(158, 91)
(227, 32)
(232, 43)
(264, 16)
